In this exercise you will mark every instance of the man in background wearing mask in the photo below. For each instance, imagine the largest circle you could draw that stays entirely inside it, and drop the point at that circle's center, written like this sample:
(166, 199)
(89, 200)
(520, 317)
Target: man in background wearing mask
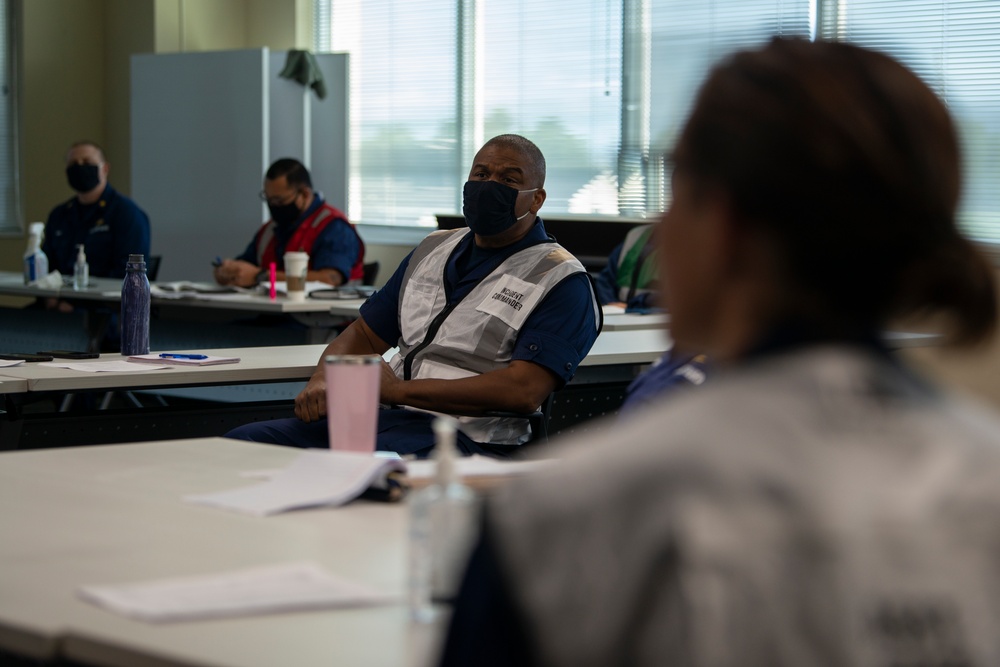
(108, 224)
(300, 221)
(490, 317)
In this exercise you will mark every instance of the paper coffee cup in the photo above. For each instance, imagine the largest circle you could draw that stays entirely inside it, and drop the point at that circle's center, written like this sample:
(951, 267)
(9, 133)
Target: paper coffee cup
(296, 266)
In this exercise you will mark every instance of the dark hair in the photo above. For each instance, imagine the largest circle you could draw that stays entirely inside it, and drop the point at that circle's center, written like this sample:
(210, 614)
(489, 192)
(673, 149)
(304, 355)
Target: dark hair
(87, 142)
(294, 172)
(851, 165)
(528, 150)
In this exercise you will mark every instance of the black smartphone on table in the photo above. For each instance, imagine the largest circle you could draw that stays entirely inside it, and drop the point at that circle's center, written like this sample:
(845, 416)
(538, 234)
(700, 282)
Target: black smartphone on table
(70, 354)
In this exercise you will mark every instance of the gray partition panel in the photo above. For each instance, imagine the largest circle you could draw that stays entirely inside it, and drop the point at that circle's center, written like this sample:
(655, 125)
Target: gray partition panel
(199, 151)
(330, 131)
(310, 129)
(287, 113)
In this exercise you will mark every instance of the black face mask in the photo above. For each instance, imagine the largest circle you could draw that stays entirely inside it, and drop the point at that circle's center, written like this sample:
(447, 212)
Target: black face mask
(83, 177)
(488, 207)
(284, 214)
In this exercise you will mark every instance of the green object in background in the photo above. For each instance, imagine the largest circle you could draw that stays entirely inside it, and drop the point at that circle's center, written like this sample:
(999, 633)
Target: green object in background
(301, 66)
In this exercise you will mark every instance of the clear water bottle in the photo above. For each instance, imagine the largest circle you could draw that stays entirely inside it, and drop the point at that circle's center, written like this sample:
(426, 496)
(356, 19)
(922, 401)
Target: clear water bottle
(135, 307)
(81, 270)
(442, 529)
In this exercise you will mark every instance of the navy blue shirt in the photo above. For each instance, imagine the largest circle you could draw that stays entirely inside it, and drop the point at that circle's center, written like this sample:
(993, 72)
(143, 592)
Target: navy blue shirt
(110, 230)
(557, 335)
(336, 247)
(671, 372)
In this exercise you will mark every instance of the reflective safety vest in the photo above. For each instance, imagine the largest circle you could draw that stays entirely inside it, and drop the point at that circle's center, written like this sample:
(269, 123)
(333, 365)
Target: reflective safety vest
(477, 334)
(304, 238)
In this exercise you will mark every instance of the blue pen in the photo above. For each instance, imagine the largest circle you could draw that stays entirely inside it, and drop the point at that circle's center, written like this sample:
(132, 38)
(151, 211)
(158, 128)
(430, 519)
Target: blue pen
(217, 261)
(168, 355)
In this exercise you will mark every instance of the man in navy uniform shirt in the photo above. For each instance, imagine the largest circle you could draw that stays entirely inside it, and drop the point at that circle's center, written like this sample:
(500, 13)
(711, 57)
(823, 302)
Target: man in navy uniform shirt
(108, 224)
(301, 221)
(492, 317)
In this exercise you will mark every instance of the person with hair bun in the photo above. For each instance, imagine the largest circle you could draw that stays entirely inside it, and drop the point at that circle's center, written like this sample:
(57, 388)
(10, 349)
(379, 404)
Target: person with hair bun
(817, 503)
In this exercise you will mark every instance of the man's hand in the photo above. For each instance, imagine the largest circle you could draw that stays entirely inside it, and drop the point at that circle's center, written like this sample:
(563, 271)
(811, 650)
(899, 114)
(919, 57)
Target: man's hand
(310, 404)
(236, 272)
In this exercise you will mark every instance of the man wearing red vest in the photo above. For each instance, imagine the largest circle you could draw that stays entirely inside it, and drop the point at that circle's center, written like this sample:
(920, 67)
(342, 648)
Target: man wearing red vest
(300, 221)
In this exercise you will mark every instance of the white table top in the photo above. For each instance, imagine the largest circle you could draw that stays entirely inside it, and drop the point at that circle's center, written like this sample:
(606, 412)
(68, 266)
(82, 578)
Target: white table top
(277, 364)
(257, 364)
(113, 514)
(345, 307)
(101, 289)
(632, 321)
(12, 385)
(109, 290)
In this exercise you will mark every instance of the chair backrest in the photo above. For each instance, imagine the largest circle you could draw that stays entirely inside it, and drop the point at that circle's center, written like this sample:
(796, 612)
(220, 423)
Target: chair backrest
(153, 266)
(369, 273)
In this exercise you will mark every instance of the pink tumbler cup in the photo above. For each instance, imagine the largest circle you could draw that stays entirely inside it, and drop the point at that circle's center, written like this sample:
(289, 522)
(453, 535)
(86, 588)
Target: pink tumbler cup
(352, 393)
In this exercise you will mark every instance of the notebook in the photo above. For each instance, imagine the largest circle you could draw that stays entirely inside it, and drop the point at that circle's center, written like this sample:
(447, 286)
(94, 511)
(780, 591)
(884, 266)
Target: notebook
(180, 360)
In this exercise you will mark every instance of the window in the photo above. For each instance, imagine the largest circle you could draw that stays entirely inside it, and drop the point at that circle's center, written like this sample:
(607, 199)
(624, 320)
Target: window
(603, 87)
(954, 45)
(429, 85)
(689, 37)
(10, 219)
(403, 105)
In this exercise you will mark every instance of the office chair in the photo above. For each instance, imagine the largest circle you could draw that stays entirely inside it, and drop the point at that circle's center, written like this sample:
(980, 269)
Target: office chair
(369, 273)
(153, 267)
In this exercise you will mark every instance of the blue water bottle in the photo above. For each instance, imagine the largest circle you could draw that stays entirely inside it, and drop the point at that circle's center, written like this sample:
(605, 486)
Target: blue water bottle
(135, 307)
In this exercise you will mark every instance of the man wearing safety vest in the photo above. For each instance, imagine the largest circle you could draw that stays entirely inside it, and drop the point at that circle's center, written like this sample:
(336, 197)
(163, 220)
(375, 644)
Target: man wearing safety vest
(492, 317)
(301, 221)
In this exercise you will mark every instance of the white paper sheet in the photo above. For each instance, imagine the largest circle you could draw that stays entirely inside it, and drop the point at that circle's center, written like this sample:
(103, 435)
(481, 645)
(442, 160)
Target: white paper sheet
(4, 363)
(105, 366)
(316, 477)
(258, 590)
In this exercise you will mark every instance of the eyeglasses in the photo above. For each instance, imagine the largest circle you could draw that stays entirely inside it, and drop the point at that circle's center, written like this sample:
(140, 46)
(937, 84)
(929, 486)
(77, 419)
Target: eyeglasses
(277, 202)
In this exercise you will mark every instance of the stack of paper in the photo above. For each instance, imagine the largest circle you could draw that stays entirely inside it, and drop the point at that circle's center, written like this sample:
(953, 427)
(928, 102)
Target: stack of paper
(114, 366)
(316, 477)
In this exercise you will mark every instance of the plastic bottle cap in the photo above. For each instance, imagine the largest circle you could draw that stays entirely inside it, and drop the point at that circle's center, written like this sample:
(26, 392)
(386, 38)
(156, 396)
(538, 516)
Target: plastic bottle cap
(135, 258)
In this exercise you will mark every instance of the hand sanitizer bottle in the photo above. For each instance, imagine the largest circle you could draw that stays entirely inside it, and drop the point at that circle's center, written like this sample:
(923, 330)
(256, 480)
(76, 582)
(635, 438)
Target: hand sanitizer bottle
(81, 270)
(443, 524)
(36, 264)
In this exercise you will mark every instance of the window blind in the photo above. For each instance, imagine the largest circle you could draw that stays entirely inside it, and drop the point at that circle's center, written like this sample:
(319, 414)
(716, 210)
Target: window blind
(551, 71)
(688, 38)
(402, 80)
(954, 45)
(432, 80)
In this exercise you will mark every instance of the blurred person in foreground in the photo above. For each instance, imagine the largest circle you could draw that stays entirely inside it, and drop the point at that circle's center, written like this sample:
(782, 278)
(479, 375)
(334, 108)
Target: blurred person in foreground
(816, 503)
